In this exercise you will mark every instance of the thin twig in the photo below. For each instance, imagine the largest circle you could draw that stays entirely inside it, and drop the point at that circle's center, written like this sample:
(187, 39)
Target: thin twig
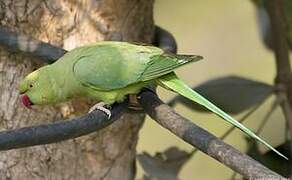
(280, 43)
(241, 120)
(281, 50)
(268, 115)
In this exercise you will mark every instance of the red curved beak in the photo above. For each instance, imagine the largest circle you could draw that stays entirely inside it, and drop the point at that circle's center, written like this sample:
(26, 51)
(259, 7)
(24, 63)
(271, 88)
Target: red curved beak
(26, 101)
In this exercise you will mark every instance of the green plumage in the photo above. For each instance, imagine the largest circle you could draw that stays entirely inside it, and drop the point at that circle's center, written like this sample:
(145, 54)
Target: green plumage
(108, 71)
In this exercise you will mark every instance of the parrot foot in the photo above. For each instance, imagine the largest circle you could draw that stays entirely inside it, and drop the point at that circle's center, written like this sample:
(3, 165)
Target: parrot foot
(102, 107)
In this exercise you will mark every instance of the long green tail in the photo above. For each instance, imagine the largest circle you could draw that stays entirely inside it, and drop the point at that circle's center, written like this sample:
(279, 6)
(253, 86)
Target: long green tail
(171, 81)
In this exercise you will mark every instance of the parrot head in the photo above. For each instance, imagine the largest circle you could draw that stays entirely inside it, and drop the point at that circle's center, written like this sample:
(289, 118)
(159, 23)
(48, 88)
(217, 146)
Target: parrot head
(36, 88)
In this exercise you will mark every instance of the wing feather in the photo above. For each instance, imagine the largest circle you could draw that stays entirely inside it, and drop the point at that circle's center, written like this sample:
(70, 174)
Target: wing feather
(166, 63)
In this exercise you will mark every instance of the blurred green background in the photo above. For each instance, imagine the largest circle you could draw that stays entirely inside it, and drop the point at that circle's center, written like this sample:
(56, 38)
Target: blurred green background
(225, 32)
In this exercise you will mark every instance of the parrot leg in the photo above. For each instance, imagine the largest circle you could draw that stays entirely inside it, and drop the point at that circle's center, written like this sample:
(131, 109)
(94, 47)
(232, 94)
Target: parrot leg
(102, 107)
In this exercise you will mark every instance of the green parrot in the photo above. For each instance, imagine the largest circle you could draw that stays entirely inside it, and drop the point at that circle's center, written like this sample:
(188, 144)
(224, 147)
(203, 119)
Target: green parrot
(108, 71)
(264, 21)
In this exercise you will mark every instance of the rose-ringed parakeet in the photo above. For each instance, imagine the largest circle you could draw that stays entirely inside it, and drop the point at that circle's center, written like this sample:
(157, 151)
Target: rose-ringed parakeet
(108, 71)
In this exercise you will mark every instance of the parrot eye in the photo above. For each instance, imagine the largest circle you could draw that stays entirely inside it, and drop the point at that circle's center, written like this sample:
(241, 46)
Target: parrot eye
(30, 85)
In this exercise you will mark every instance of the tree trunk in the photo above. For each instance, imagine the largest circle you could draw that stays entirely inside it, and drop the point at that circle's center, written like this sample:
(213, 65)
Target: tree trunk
(108, 154)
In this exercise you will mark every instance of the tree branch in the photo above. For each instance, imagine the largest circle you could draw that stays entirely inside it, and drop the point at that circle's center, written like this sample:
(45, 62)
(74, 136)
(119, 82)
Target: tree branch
(281, 51)
(48, 53)
(203, 140)
(280, 43)
(164, 39)
(59, 131)
(21, 43)
(160, 112)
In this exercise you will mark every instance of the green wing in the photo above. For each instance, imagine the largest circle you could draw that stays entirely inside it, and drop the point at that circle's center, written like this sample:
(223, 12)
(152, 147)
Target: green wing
(165, 63)
(112, 65)
(116, 65)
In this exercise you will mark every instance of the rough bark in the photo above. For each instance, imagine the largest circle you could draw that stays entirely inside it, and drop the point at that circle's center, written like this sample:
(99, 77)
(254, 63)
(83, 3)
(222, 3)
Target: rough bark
(108, 154)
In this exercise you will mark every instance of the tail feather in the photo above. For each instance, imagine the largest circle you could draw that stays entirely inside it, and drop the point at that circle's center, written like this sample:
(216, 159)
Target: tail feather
(172, 82)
